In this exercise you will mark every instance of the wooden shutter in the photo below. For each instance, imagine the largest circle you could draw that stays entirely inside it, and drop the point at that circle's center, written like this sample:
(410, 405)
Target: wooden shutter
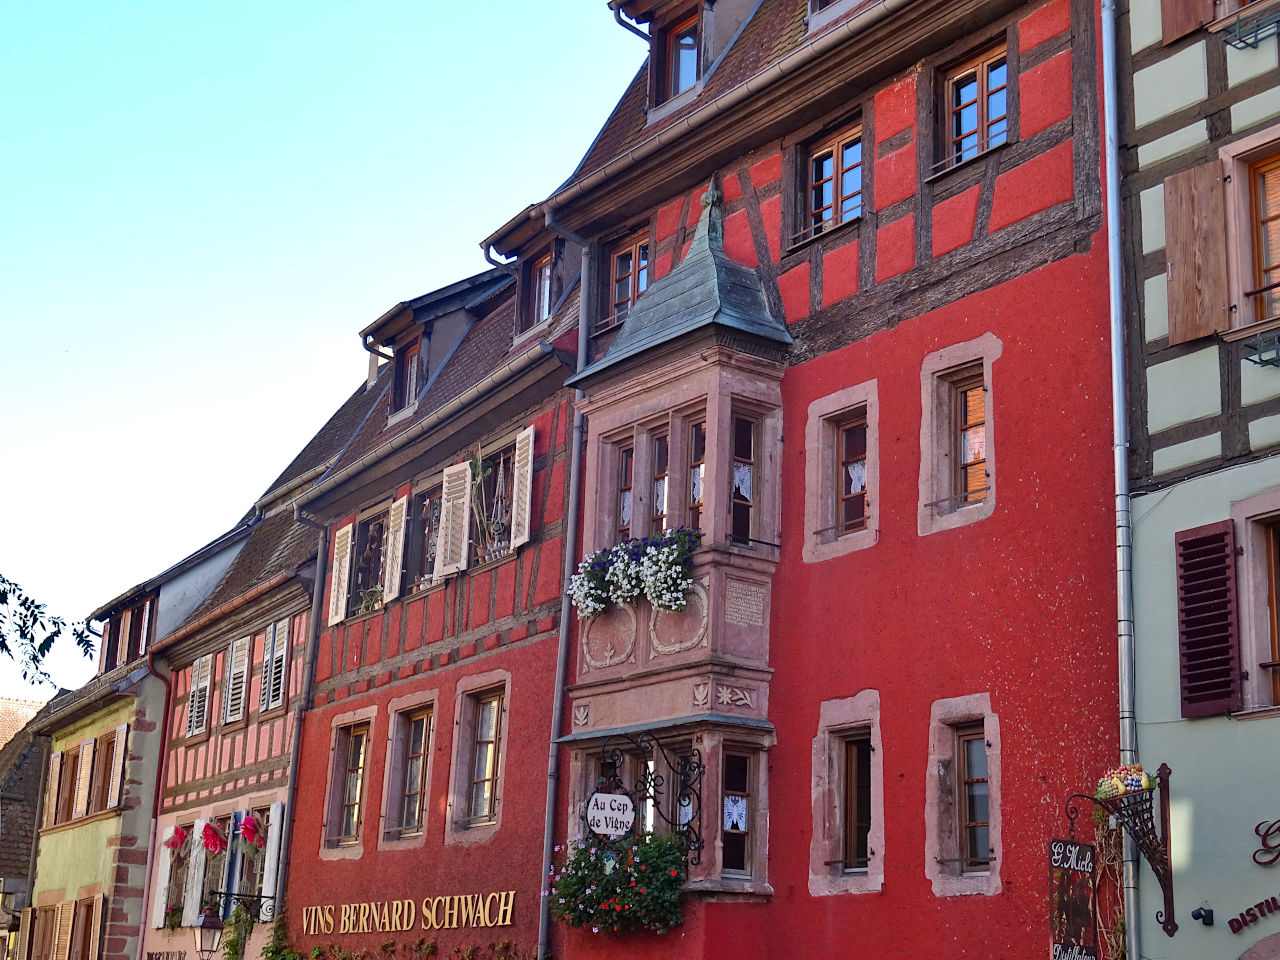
(1180, 17)
(164, 870)
(144, 632)
(84, 778)
(198, 699)
(455, 526)
(237, 679)
(24, 933)
(115, 786)
(393, 561)
(64, 916)
(522, 489)
(271, 861)
(51, 789)
(274, 659)
(1196, 252)
(338, 583)
(194, 892)
(95, 927)
(1208, 633)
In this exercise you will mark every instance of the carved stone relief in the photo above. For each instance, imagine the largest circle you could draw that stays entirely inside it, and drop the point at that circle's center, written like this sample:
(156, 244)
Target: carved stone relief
(609, 638)
(734, 696)
(744, 603)
(580, 714)
(676, 631)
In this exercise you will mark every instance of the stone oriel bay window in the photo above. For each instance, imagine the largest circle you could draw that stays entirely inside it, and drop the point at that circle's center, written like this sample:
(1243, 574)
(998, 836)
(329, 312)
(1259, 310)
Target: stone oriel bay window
(347, 787)
(842, 472)
(481, 711)
(957, 435)
(406, 780)
(846, 853)
(962, 797)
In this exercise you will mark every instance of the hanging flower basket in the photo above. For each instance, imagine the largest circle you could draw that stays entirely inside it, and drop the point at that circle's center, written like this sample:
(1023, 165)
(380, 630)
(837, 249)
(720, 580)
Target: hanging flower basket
(614, 887)
(656, 567)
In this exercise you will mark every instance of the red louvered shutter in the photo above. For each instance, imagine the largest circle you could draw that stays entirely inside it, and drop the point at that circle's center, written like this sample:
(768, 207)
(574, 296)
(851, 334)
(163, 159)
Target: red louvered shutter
(1208, 625)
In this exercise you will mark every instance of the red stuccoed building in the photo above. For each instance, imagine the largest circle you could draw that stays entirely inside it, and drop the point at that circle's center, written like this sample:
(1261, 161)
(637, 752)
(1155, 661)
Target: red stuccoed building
(830, 287)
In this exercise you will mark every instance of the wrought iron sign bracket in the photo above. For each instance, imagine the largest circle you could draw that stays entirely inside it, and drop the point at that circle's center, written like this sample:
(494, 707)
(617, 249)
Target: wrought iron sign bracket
(1134, 812)
(258, 907)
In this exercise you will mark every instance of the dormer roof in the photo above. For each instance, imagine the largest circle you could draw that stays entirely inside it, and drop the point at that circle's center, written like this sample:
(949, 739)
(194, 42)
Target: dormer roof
(707, 289)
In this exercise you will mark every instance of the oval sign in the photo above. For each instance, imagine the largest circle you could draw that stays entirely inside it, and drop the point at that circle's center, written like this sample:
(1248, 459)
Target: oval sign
(610, 814)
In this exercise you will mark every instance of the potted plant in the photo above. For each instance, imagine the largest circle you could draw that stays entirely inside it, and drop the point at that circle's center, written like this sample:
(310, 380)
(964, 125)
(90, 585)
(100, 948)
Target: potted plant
(617, 886)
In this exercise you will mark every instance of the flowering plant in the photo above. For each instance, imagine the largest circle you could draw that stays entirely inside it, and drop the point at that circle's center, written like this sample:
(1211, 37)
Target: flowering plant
(252, 837)
(178, 840)
(657, 567)
(173, 916)
(612, 886)
(1126, 778)
(214, 842)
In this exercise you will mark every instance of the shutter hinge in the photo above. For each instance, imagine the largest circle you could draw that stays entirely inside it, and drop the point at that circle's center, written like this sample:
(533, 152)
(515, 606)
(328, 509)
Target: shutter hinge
(1239, 551)
(1226, 177)
(1244, 674)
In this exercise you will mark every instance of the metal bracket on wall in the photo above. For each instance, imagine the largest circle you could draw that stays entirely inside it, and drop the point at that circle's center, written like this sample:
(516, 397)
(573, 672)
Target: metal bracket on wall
(1246, 32)
(1264, 349)
(260, 908)
(1134, 811)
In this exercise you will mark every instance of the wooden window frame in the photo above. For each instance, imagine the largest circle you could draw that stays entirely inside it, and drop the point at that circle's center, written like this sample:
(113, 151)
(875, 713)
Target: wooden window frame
(964, 494)
(697, 472)
(493, 775)
(749, 795)
(538, 276)
(979, 66)
(660, 479)
(626, 493)
(360, 534)
(344, 801)
(617, 309)
(407, 719)
(832, 144)
(1263, 289)
(753, 504)
(855, 819)
(407, 371)
(971, 861)
(422, 534)
(842, 526)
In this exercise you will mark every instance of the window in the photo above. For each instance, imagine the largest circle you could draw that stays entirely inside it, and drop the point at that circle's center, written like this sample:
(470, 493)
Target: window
(630, 278)
(126, 634)
(697, 471)
(962, 797)
(976, 110)
(411, 793)
(659, 464)
(680, 66)
(422, 537)
(851, 481)
(486, 754)
(104, 763)
(743, 494)
(213, 877)
(251, 867)
(537, 308)
(198, 696)
(237, 680)
(408, 374)
(275, 666)
(1264, 189)
(736, 834)
(354, 744)
(179, 859)
(491, 499)
(626, 469)
(856, 820)
(958, 474)
(366, 577)
(834, 185)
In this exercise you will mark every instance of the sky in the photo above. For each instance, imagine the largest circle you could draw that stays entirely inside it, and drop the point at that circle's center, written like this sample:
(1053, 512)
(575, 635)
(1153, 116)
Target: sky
(201, 206)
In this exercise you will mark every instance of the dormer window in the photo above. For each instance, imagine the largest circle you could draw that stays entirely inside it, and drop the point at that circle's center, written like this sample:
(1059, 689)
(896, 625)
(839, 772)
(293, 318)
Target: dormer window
(630, 278)
(408, 374)
(536, 309)
(680, 60)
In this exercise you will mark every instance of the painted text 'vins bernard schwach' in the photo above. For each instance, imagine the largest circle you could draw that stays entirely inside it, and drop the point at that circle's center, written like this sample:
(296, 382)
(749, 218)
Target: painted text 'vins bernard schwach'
(389, 916)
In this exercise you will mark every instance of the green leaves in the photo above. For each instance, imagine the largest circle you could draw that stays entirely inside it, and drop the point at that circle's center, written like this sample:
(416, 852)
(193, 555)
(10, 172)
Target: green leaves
(28, 632)
(614, 886)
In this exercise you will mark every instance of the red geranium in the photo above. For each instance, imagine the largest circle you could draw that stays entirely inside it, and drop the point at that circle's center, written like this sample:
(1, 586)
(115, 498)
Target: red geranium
(214, 841)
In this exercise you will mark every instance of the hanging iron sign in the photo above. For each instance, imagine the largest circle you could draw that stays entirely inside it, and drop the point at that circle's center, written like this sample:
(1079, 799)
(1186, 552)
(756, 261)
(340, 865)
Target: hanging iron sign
(610, 814)
(1073, 924)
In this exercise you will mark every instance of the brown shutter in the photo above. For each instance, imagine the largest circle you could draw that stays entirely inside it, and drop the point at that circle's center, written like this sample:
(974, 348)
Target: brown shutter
(84, 778)
(115, 785)
(1208, 634)
(95, 928)
(51, 790)
(24, 933)
(1180, 17)
(63, 919)
(1196, 252)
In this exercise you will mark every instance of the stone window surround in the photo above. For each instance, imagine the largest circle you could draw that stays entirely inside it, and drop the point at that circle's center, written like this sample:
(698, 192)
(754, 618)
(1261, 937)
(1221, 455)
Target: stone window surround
(837, 720)
(338, 725)
(398, 711)
(467, 694)
(821, 443)
(1236, 157)
(942, 841)
(938, 372)
(1252, 516)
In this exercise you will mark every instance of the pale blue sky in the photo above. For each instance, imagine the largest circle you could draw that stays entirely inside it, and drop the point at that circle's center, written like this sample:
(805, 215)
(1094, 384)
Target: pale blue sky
(203, 205)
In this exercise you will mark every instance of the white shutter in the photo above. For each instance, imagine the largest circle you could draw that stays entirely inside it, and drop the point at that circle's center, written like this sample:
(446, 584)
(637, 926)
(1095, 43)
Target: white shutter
(455, 516)
(275, 657)
(393, 560)
(338, 584)
(237, 680)
(194, 892)
(164, 869)
(235, 860)
(522, 489)
(271, 863)
(95, 927)
(198, 699)
(84, 778)
(51, 789)
(63, 918)
(145, 631)
(115, 786)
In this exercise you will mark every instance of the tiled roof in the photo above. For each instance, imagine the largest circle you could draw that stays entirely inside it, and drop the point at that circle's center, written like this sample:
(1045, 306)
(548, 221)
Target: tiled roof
(14, 715)
(278, 543)
(776, 28)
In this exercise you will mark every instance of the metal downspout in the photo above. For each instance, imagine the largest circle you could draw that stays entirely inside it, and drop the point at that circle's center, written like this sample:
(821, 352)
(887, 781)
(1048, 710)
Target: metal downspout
(571, 549)
(155, 797)
(304, 703)
(1120, 454)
